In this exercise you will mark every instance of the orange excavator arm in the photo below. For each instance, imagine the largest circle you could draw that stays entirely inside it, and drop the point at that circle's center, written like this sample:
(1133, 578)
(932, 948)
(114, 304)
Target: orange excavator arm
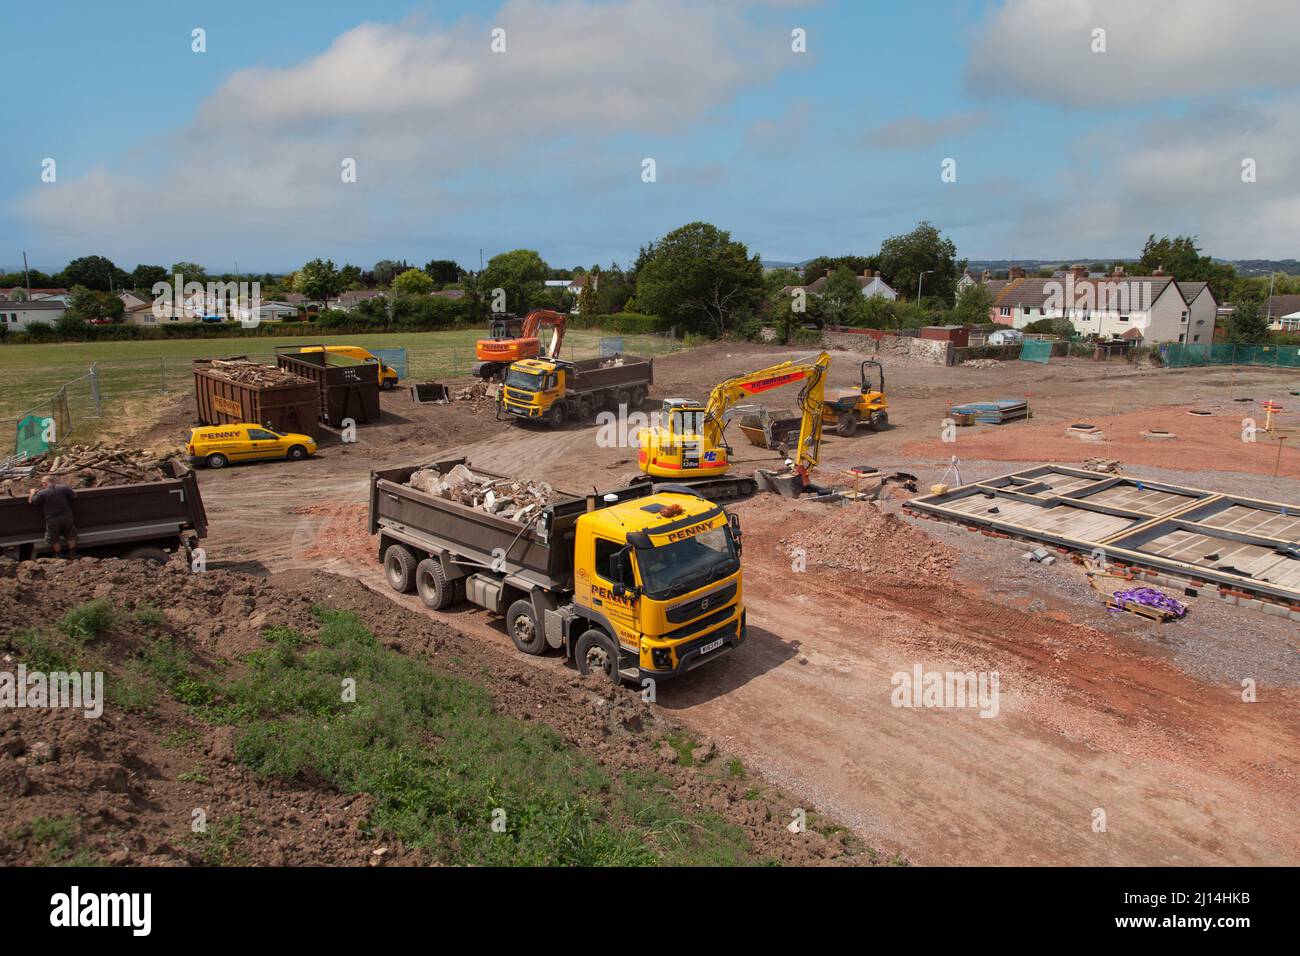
(538, 319)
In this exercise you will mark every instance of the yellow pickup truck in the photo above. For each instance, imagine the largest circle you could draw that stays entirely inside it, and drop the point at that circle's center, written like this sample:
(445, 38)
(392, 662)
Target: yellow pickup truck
(218, 445)
(387, 374)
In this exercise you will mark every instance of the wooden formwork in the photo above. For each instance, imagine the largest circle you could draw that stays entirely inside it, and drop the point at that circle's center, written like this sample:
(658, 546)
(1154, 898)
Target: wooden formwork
(1248, 548)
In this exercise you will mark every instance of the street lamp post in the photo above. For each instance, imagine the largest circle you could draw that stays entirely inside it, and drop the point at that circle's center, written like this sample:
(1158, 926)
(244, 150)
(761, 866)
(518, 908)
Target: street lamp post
(918, 283)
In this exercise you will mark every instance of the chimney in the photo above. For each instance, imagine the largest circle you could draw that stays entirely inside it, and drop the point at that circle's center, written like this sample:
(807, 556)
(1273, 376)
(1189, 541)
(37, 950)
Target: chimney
(1079, 272)
(828, 273)
(868, 273)
(986, 275)
(1016, 273)
(1118, 273)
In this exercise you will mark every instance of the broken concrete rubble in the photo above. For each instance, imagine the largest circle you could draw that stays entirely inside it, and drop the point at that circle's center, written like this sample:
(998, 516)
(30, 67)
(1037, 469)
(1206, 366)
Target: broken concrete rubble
(514, 498)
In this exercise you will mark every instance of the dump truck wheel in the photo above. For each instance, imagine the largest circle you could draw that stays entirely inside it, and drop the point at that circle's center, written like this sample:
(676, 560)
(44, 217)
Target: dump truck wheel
(216, 460)
(524, 630)
(399, 568)
(432, 585)
(584, 411)
(152, 555)
(296, 453)
(555, 417)
(595, 653)
(847, 424)
(878, 422)
(387, 385)
(623, 398)
(638, 397)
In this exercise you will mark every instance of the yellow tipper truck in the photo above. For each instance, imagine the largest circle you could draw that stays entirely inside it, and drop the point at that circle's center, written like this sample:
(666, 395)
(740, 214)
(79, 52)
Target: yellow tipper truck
(633, 583)
(554, 391)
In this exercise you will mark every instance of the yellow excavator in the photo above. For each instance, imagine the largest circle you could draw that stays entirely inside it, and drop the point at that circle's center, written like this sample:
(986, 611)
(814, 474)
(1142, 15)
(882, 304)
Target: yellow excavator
(689, 442)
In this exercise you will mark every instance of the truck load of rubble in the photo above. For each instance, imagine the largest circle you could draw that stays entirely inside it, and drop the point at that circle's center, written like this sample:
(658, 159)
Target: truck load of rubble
(85, 466)
(244, 372)
(515, 498)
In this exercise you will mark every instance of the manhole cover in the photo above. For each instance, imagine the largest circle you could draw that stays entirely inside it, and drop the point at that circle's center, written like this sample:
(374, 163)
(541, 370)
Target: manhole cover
(1082, 426)
(1158, 434)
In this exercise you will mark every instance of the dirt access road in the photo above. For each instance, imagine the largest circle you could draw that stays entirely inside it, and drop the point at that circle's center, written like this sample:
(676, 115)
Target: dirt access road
(1095, 725)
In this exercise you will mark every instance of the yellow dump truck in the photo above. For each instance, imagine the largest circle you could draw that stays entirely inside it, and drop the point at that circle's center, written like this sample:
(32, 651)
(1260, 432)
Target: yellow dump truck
(554, 391)
(633, 583)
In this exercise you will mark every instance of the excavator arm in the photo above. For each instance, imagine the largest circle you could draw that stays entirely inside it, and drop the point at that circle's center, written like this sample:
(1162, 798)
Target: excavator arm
(734, 390)
(536, 320)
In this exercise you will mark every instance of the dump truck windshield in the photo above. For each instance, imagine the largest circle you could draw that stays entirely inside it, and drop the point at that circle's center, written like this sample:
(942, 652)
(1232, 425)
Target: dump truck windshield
(527, 381)
(687, 564)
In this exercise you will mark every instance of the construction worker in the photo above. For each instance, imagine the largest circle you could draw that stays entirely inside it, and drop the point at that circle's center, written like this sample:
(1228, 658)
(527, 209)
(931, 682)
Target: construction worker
(57, 500)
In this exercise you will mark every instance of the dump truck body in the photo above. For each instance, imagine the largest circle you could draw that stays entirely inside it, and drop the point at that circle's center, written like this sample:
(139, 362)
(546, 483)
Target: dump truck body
(348, 388)
(282, 408)
(114, 520)
(678, 602)
(556, 391)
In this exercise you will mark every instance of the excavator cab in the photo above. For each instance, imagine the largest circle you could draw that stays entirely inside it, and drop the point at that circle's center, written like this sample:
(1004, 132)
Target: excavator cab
(513, 340)
(846, 408)
(680, 447)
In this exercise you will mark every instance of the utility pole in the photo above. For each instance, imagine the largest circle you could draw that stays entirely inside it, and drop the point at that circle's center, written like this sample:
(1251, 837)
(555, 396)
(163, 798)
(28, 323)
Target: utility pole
(28, 275)
(918, 284)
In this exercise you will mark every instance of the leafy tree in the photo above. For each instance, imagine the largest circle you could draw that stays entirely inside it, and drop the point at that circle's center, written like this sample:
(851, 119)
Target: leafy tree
(1181, 258)
(318, 280)
(874, 312)
(840, 294)
(699, 275)
(350, 276)
(93, 272)
(1062, 328)
(973, 304)
(413, 282)
(521, 273)
(614, 291)
(443, 271)
(143, 277)
(1247, 324)
(386, 270)
(588, 301)
(86, 304)
(192, 271)
(71, 326)
(904, 258)
(816, 268)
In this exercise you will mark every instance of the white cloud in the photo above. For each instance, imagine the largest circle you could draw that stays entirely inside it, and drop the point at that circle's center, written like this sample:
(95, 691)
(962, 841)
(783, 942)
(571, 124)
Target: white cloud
(421, 110)
(1042, 49)
(914, 132)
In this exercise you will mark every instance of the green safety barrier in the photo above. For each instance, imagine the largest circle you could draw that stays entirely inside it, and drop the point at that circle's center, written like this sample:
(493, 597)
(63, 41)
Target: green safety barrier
(1179, 355)
(1035, 350)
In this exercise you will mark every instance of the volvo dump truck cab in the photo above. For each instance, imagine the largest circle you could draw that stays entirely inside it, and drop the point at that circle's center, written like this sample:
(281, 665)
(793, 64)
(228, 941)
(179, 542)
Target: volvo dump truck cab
(633, 584)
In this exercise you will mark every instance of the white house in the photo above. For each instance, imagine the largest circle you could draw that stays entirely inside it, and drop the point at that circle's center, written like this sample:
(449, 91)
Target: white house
(1149, 309)
(870, 283)
(17, 316)
(1283, 313)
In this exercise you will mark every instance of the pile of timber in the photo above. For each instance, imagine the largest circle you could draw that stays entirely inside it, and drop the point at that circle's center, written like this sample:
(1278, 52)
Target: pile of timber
(506, 497)
(86, 466)
(244, 372)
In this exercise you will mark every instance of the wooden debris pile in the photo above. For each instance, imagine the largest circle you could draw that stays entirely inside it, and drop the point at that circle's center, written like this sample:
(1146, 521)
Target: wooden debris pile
(1105, 466)
(244, 372)
(86, 466)
(506, 497)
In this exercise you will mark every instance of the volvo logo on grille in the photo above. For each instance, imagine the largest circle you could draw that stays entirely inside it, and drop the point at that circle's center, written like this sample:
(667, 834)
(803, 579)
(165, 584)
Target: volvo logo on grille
(704, 605)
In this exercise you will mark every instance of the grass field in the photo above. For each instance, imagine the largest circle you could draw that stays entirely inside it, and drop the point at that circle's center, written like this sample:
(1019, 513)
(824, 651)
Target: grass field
(29, 374)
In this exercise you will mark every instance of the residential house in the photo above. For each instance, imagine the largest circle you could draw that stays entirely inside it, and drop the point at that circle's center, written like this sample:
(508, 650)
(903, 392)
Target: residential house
(19, 293)
(347, 301)
(133, 300)
(869, 283)
(17, 316)
(1283, 313)
(1148, 309)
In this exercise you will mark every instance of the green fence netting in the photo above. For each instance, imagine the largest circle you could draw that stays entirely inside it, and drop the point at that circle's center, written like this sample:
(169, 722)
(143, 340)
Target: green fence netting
(1277, 356)
(1035, 350)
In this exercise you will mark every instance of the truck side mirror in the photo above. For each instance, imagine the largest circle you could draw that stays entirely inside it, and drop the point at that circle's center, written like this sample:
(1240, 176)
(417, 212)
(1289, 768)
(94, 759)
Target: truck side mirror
(736, 535)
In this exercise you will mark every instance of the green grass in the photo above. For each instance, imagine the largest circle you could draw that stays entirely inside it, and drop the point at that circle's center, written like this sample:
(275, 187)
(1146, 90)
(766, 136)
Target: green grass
(142, 370)
(441, 764)
(57, 836)
(219, 843)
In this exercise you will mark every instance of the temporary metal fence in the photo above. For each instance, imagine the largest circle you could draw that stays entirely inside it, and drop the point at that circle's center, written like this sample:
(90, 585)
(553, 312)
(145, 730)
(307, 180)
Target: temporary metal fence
(1178, 355)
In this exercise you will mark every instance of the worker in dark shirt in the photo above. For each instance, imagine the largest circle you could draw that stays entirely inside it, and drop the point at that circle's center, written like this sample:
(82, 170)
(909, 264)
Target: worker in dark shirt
(57, 501)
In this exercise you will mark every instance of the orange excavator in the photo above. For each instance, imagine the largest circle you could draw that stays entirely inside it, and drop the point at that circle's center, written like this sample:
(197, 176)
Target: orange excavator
(510, 341)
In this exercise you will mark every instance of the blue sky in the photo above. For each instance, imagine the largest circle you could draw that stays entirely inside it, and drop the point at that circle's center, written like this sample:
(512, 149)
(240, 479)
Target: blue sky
(234, 154)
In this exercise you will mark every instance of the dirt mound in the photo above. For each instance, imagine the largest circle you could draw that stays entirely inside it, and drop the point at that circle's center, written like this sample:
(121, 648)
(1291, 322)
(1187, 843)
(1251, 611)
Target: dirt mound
(864, 539)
